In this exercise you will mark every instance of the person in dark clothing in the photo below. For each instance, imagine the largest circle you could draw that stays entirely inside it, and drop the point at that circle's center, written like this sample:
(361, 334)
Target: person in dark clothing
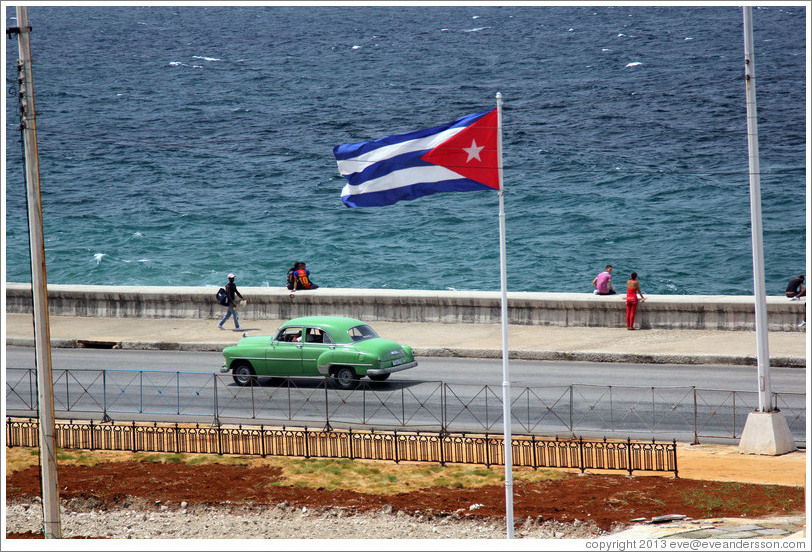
(795, 288)
(291, 280)
(231, 290)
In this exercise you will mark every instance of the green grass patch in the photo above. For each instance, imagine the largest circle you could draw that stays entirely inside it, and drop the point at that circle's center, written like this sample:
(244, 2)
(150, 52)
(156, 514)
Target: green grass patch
(729, 498)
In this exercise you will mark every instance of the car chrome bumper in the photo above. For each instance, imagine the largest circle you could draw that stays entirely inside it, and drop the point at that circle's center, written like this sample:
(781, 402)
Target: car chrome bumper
(382, 371)
(224, 369)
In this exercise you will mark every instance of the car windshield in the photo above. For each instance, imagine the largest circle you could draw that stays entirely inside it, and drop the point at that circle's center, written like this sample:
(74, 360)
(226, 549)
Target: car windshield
(362, 332)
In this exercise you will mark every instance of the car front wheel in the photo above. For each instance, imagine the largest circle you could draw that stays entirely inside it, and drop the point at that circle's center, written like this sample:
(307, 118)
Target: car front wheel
(243, 374)
(345, 377)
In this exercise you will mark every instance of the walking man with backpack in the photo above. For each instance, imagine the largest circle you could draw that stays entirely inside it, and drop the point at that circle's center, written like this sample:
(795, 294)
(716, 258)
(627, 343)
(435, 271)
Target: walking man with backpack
(231, 292)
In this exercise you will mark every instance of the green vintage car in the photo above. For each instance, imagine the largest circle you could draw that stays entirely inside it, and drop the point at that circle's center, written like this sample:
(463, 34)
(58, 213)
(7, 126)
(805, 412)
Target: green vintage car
(344, 349)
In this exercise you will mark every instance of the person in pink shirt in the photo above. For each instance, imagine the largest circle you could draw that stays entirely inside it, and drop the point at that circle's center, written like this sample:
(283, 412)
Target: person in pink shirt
(603, 282)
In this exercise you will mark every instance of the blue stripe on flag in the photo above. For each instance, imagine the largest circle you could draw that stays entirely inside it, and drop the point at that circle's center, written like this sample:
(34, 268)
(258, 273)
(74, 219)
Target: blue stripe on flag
(396, 163)
(348, 151)
(408, 193)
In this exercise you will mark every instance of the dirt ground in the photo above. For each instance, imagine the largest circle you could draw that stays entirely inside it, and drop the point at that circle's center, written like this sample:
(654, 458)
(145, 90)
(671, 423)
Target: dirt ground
(708, 487)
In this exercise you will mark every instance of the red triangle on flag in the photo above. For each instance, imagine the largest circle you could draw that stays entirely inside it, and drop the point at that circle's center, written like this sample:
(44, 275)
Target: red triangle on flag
(472, 152)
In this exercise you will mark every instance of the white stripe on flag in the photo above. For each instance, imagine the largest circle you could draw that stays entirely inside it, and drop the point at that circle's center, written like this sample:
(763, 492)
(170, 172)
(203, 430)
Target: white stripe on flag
(357, 164)
(399, 179)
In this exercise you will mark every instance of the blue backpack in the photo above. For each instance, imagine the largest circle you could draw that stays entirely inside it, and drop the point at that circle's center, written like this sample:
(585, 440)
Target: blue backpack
(222, 297)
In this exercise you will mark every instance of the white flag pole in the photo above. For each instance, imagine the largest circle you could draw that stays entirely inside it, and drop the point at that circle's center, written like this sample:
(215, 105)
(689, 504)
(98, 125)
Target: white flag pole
(506, 417)
(762, 343)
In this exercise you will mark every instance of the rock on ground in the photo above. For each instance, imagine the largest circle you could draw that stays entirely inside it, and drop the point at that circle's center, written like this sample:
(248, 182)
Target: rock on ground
(182, 521)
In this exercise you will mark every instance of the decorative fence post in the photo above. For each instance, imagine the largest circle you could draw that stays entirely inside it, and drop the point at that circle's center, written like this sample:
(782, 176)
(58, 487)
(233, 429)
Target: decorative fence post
(581, 453)
(696, 430)
(535, 453)
(629, 453)
(674, 444)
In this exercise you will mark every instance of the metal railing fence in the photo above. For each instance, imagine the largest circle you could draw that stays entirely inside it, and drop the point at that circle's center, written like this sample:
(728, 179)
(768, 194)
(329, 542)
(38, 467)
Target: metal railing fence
(691, 413)
(440, 447)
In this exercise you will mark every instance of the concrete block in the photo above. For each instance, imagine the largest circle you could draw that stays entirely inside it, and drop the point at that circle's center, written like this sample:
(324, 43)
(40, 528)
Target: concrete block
(766, 433)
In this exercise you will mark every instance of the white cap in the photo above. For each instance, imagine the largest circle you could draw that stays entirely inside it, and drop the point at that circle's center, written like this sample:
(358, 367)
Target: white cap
(231, 276)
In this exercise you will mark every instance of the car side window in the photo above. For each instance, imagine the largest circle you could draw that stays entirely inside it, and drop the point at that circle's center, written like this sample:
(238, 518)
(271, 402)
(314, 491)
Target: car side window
(289, 334)
(360, 333)
(317, 335)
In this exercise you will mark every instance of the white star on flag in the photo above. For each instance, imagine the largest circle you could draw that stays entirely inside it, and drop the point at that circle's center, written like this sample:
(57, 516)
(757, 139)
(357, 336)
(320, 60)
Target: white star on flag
(473, 151)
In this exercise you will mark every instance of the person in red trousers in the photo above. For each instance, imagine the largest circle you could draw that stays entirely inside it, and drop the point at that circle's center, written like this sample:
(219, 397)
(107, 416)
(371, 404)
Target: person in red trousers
(632, 290)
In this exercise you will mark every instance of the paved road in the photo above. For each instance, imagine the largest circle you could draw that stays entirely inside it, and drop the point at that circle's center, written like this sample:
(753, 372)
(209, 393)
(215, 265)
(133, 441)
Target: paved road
(523, 373)
(590, 399)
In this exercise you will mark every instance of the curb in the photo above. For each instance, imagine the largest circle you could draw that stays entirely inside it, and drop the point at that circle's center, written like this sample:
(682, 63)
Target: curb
(445, 352)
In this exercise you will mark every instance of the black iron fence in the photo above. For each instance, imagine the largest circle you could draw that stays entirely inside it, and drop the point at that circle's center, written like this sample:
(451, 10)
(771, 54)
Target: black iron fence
(688, 413)
(397, 446)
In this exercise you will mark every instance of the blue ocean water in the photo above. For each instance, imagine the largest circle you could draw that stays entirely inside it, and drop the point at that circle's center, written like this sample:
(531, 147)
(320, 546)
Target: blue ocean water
(180, 143)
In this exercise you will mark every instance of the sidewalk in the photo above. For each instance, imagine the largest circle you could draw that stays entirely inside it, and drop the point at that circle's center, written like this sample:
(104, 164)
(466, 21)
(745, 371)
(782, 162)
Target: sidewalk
(437, 339)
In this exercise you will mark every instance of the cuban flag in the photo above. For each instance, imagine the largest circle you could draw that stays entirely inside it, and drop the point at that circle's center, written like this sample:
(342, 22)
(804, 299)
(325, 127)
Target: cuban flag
(460, 156)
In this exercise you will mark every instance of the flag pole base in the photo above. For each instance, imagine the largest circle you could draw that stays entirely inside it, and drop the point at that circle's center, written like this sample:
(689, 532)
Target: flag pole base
(766, 433)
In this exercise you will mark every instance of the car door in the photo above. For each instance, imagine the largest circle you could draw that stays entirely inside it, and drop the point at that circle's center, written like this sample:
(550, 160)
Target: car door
(284, 356)
(316, 341)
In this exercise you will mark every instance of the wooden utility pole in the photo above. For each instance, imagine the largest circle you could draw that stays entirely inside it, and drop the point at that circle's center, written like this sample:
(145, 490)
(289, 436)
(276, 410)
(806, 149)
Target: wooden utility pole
(52, 528)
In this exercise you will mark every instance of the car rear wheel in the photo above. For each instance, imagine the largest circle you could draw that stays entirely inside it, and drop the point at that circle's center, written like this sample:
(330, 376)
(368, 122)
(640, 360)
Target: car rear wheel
(243, 374)
(380, 377)
(345, 377)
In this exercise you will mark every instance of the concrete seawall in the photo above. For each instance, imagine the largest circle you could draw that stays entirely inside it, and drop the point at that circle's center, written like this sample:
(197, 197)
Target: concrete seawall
(701, 312)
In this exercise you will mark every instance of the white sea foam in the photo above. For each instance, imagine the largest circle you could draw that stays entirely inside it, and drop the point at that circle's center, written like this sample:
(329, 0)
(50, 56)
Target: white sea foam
(176, 63)
(138, 235)
(634, 64)
(474, 29)
(605, 50)
(356, 47)
(689, 38)
(570, 30)
(98, 257)
(206, 58)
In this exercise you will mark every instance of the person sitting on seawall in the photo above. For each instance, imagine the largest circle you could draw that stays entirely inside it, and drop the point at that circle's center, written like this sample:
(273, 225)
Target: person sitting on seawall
(796, 289)
(303, 278)
(632, 289)
(603, 282)
(291, 279)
